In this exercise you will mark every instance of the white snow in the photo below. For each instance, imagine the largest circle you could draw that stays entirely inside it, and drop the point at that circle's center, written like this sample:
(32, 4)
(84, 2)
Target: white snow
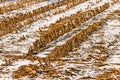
(2, 61)
(24, 10)
(10, 42)
(60, 42)
(31, 31)
(15, 65)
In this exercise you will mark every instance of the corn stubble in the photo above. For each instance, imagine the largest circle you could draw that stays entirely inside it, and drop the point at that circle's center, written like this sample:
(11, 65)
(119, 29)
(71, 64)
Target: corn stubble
(45, 68)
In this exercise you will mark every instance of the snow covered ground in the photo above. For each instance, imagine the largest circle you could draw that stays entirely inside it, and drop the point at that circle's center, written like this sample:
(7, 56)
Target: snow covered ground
(97, 55)
(31, 31)
(79, 61)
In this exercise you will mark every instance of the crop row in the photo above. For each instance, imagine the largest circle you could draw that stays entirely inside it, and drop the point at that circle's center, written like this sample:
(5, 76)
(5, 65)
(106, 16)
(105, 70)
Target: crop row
(17, 5)
(65, 25)
(9, 24)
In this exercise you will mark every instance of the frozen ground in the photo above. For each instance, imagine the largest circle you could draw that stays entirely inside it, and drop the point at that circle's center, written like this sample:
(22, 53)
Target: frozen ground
(13, 39)
(97, 55)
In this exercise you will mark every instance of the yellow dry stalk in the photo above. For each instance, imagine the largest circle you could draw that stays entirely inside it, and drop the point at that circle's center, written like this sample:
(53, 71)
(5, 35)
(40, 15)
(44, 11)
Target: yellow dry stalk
(22, 38)
(18, 5)
(8, 62)
(109, 75)
(41, 60)
(9, 57)
(30, 70)
(102, 49)
(115, 1)
(66, 25)
(21, 17)
(63, 50)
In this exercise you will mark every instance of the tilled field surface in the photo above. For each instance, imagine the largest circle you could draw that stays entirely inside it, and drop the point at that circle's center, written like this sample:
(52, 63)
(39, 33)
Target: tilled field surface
(60, 40)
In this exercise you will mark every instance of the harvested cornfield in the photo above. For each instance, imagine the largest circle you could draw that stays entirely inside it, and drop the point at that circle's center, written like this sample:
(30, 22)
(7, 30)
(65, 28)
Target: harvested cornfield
(59, 39)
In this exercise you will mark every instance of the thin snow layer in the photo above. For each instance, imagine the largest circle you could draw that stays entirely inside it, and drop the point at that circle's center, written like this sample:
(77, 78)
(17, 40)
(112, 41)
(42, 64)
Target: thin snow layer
(15, 1)
(15, 65)
(10, 42)
(54, 0)
(108, 33)
(111, 32)
(67, 36)
(86, 68)
(7, 3)
(24, 10)
(2, 61)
